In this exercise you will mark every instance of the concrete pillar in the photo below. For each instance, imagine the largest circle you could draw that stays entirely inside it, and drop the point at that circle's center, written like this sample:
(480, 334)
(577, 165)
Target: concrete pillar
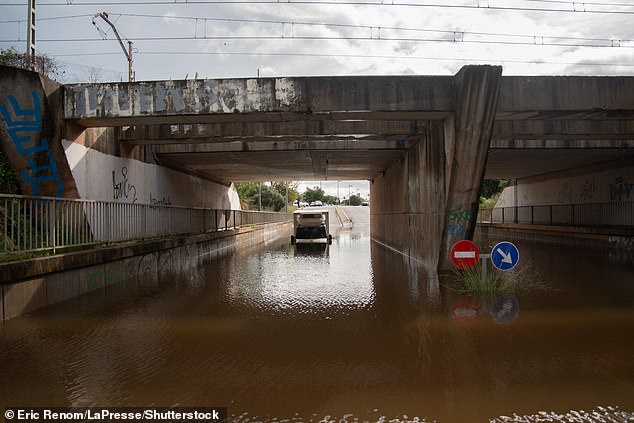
(426, 202)
(31, 110)
(476, 94)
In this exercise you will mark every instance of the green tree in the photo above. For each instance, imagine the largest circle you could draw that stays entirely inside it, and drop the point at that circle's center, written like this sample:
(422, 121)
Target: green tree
(314, 194)
(491, 189)
(329, 199)
(271, 199)
(293, 193)
(249, 193)
(355, 200)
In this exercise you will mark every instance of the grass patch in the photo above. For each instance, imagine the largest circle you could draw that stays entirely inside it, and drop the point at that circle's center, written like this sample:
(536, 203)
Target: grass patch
(473, 283)
(514, 282)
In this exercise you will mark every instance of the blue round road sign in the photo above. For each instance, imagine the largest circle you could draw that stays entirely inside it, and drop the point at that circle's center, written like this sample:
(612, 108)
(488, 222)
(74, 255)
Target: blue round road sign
(505, 255)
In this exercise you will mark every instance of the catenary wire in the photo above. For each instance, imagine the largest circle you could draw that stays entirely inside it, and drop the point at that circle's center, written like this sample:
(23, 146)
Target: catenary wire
(379, 3)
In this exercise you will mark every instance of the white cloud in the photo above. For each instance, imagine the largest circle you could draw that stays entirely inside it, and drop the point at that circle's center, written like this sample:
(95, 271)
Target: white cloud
(362, 49)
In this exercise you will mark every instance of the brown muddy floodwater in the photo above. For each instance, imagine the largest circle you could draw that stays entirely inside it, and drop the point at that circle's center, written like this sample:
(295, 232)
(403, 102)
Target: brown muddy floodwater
(353, 332)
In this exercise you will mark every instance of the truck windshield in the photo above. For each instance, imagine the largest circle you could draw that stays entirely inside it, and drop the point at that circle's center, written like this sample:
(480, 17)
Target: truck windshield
(311, 232)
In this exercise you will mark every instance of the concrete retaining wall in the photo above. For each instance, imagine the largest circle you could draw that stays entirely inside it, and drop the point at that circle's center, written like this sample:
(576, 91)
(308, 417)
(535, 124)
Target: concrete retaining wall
(33, 284)
(608, 183)
(100, 176)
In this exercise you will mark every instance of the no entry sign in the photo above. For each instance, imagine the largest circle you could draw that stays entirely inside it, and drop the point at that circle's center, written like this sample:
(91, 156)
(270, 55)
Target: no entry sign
(464, 254)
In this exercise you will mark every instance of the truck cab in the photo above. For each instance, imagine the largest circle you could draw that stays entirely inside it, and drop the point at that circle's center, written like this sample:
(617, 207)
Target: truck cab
(311, 226)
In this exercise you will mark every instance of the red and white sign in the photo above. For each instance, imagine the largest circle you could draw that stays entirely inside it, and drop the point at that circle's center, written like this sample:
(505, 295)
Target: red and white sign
(464, 254)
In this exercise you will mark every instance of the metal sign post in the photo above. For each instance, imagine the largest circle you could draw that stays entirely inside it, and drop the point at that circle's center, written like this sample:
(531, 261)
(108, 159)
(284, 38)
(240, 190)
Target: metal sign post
(483, 264)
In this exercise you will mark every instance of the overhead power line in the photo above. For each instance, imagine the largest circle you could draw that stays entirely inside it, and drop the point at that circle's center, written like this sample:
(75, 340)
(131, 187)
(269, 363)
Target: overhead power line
(569, 6)
(452, 32)
(52, 18)
(460, 39)
(376, 32)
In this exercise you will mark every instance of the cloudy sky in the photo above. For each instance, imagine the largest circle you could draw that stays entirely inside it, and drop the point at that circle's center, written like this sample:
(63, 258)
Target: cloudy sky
(235, 39)
(220, 39)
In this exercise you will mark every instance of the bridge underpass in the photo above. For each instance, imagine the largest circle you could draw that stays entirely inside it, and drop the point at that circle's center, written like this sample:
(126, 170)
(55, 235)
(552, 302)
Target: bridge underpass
(424, 142)
(421, 141)
(319, 129)
(387, 340)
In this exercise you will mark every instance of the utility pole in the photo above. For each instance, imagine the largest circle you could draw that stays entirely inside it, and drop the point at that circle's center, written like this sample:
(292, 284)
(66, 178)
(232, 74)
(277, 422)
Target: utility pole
(128, 52)
(30, 35)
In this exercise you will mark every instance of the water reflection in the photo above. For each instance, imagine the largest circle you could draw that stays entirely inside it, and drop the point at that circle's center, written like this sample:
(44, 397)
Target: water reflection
(353, 330)
(505, 309)
(314, 250)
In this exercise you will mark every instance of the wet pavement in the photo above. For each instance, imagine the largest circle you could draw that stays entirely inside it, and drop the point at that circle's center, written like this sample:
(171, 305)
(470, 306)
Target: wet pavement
(351, 331)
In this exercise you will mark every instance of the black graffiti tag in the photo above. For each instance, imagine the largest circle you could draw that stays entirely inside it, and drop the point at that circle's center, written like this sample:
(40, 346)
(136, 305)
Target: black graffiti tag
(123, 189)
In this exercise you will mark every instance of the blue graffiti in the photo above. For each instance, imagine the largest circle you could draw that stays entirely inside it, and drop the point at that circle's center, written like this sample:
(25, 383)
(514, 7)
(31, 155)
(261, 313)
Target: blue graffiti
(24, 127)
(620, 189)
(458, 222)
(41, 174)
(27, 122)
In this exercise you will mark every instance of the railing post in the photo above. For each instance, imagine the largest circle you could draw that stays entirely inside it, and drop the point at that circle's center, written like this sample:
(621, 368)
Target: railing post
(532, 215)
(550, 219)
(54, 227)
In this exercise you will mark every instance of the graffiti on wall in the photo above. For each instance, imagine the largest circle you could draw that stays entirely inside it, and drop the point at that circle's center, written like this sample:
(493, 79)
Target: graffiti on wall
(459, 219)
(122, 188)
(24, 127)
(588, 189)
(163, 201)
(565, 193)
(101, 278)
(620, 190)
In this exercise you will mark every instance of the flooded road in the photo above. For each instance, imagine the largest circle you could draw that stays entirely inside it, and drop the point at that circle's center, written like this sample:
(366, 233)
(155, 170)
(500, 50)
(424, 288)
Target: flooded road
(355, 331)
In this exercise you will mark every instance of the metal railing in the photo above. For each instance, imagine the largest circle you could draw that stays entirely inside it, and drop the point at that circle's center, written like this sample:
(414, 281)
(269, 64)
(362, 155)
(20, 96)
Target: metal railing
(582, 214)
(43, 223)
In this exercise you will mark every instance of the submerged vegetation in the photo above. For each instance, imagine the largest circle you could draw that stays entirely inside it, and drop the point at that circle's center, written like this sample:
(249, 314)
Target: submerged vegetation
(472, 282)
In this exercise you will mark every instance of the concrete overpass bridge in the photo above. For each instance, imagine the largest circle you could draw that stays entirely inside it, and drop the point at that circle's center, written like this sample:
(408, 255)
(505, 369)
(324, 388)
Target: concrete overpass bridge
(355, 128)
(425, 142)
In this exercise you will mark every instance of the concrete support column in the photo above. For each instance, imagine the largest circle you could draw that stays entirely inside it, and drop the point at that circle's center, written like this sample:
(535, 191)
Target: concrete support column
(426, 202)
(476, 94)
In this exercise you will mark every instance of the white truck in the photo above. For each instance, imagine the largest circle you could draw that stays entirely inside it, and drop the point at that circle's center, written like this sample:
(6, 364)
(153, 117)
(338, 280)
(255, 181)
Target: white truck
(311, 226)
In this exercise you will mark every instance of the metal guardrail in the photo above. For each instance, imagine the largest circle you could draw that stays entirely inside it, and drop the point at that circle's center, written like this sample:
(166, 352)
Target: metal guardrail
(582, 214)
(31, 224)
